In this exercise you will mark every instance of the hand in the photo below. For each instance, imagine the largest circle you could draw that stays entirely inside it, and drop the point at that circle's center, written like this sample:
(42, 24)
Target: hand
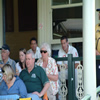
(66, 66)
(1, 65)
(17, 72)
(97, 53)
(59, 67)
(37, 93)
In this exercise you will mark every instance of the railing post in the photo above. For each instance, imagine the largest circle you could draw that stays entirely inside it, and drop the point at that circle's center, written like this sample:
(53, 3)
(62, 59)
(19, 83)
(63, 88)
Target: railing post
(74, 83)
(71, 78)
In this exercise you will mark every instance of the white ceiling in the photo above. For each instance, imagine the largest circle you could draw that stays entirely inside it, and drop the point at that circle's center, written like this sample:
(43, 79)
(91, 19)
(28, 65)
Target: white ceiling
(73, 24)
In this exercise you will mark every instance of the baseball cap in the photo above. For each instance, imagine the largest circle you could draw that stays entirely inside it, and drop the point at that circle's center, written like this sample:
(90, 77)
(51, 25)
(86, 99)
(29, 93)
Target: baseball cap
(5, 47)
(98, 9)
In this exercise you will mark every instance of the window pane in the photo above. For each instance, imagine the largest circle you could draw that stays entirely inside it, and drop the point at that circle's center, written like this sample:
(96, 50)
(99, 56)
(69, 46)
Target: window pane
(27, 13)
(9, 16)
(76, 1)
(59, 2)
(67, 21)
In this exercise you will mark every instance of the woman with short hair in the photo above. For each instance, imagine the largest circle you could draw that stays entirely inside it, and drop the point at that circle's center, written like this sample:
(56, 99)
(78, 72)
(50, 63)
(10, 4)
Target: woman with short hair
(12, 84)
(50, 67)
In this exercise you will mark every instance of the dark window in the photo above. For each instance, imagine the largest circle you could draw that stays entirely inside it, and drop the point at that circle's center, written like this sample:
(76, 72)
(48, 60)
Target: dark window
(67, 21)
(27, 11)
(9, 17)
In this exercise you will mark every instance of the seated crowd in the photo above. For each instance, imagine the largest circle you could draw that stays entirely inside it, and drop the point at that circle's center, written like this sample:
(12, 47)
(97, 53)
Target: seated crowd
(29, 79)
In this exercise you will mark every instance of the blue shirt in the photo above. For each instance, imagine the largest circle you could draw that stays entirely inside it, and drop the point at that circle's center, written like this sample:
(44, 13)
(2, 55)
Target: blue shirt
(10, 62)
(17, 88)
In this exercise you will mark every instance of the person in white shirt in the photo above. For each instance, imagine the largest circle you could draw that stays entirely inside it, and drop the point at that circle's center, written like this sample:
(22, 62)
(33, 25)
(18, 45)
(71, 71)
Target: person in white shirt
(67, 49)
(34, 48)
(63, 52)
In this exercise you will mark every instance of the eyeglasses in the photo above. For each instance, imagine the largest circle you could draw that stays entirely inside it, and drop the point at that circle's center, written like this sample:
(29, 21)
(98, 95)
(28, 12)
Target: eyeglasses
(43, 51)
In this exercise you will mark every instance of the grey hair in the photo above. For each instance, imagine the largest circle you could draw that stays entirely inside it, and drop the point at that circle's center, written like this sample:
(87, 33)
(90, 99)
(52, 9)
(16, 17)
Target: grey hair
(30, 52)
(6, 50)
(47, 47)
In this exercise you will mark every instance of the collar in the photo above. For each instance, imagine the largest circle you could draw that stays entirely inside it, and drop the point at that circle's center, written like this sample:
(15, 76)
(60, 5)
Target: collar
(32, 69)
(6, 62)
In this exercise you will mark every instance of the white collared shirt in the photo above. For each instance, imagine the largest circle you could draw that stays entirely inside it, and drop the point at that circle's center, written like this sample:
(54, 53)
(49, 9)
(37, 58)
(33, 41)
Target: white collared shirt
(62, 53)
(71, 50)
(37, 54)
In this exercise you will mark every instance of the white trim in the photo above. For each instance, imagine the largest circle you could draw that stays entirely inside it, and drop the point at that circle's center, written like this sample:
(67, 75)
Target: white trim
(66, 5)
(71, 40)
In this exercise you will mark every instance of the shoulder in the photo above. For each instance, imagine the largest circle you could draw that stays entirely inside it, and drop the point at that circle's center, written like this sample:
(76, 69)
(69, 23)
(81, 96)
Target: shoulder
(61, 52)
(39, 61)
(24, 71)
(17, 64)
(38, 67)
(72, 48)
(2, 83)
(37, 48)
(51, 59)
(11, 60)
(73, 51)
(18, 80)
(30, 50)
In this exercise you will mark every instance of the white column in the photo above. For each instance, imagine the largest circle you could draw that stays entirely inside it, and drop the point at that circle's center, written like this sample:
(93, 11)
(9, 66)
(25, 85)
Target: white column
(89, 56)
(44, 29)
(1, 26)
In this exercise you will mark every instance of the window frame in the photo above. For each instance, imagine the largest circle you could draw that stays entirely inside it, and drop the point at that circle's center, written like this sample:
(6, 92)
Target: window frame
(71, 40)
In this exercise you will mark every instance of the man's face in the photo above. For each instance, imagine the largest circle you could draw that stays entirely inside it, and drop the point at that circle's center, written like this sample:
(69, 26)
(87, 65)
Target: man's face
(64, 44)
(29, 61)
(4, 54)
(33, 45)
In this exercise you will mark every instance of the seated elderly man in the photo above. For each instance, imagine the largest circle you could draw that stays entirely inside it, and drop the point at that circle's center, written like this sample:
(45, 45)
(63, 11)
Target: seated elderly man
(5, 52)
(35, 78)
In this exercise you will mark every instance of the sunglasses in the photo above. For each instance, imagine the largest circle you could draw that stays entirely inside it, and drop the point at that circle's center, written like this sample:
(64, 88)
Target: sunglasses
(43, 51)
(3, 71)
